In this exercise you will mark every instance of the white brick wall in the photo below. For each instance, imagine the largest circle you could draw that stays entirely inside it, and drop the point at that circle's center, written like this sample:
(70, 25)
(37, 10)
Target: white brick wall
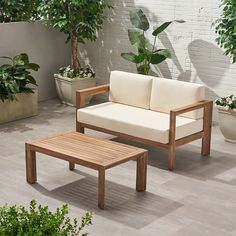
(196, 57)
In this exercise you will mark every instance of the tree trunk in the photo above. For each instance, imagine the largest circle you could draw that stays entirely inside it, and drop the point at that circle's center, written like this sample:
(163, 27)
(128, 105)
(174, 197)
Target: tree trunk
(74, 53)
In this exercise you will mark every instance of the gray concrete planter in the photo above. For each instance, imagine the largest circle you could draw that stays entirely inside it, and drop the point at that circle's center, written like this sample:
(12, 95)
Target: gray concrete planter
(25, 106)
(67, 87)
(227, 123)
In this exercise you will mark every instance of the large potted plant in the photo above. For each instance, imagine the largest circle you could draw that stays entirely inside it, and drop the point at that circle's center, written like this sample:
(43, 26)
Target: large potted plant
(225, 29)
(17, 99)
(39, 220)
(79, 20)
(147, 53)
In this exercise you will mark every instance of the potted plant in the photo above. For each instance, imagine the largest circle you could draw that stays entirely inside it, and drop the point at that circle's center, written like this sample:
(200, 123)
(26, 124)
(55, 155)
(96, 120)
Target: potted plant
(147, 53)
(226, 107)
(39, 220)
(79, 20)
(225, 30)
(17, 99)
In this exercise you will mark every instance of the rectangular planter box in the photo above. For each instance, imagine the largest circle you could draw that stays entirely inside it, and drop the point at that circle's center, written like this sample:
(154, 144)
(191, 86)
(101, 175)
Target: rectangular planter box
(25, 106)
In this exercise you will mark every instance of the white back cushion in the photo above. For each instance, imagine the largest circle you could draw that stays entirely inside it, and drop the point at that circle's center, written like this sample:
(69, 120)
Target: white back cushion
(130, 89)
(170, 94)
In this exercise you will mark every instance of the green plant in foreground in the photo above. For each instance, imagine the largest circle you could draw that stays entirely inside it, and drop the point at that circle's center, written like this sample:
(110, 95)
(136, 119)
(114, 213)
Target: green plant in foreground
(147, 53)
(225, 27)
(40, 221)
(15, 77)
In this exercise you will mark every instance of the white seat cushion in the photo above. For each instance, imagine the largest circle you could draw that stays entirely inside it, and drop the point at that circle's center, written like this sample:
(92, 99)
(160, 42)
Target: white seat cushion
(169, 94)
(137, 122)
(130, 89)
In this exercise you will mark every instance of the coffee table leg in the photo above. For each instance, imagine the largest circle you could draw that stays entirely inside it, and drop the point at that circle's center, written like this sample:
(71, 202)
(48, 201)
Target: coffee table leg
(141, 177)
(101, 188)
(71, 166)
(30, 158)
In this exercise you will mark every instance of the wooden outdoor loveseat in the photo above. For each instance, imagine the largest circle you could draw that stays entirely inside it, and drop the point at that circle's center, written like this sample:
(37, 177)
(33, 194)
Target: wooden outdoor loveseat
(156, 111)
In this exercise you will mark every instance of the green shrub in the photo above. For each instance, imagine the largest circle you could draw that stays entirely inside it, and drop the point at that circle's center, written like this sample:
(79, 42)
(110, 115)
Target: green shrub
(78, 19)
(225, 27)
(19, 10)
(15, 77)
(40, 221)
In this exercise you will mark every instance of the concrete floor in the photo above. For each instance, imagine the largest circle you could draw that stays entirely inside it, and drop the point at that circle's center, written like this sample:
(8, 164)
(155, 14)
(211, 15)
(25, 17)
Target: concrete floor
(198, 198)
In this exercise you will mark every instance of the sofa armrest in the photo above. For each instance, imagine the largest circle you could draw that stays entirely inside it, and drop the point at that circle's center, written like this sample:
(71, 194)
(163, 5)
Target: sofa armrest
(207, 117)
(191, 107)
(82, 94)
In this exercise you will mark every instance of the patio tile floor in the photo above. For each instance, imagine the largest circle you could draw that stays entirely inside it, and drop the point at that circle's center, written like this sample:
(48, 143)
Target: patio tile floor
(198, 198)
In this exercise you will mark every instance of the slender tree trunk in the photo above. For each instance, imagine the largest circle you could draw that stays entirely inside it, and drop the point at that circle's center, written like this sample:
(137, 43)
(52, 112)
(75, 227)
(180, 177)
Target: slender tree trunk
(74, 53)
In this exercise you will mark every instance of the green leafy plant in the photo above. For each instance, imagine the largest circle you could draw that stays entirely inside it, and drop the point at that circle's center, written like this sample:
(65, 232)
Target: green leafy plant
(226, 103)
(15, 77)
(38, 220)
(19, 10)
(147, 53)
(78, 19)
(225, 27)
(86, 72)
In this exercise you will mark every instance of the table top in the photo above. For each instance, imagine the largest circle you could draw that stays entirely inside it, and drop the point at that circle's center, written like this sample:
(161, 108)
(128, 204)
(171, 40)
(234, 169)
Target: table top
(86, 150)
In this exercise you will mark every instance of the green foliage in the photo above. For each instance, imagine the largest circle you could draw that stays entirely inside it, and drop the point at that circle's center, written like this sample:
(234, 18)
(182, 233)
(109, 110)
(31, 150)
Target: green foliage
(147, 53)
(15, 77)
(78, 19)
(40, 221)
(225, 27)
(86, 72)
(82, 17)
(226, 103)
(19, 10)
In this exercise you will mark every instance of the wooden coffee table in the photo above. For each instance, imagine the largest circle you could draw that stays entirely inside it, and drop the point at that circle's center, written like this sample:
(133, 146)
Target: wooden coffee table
(88, 151)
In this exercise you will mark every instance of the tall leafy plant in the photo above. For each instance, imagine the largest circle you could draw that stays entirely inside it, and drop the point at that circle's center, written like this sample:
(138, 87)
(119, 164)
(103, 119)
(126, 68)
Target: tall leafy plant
(19, 10)
(15, 77)
(225, 27)
(146, 53)
(78, 19)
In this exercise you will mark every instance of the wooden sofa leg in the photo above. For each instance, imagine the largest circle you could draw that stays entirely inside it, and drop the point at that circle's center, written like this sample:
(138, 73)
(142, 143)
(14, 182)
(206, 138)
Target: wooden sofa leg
(206, 143)
(207, 123)
(171, 148)
(79, 128)
(171, 157)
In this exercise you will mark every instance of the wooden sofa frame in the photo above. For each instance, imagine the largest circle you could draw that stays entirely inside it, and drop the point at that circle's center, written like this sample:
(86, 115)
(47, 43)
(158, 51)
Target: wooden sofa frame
(205, 134)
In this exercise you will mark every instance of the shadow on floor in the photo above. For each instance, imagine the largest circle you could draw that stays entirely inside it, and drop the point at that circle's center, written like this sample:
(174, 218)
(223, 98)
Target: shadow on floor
(189, 162)
(123, 204)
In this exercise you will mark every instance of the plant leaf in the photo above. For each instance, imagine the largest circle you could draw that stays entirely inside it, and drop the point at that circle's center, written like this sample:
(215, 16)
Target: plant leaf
(139, 20)
(137, 39)
(5, 66)
(164, 52)
(157, 58)
(129, 56)
(21, 59)
(31, 79)
(161, 28)
(4, 57)
(34, 66)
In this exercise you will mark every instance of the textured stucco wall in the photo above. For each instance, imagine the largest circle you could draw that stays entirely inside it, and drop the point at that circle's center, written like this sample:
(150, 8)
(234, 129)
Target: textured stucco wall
(196, 57)
(43, 45)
